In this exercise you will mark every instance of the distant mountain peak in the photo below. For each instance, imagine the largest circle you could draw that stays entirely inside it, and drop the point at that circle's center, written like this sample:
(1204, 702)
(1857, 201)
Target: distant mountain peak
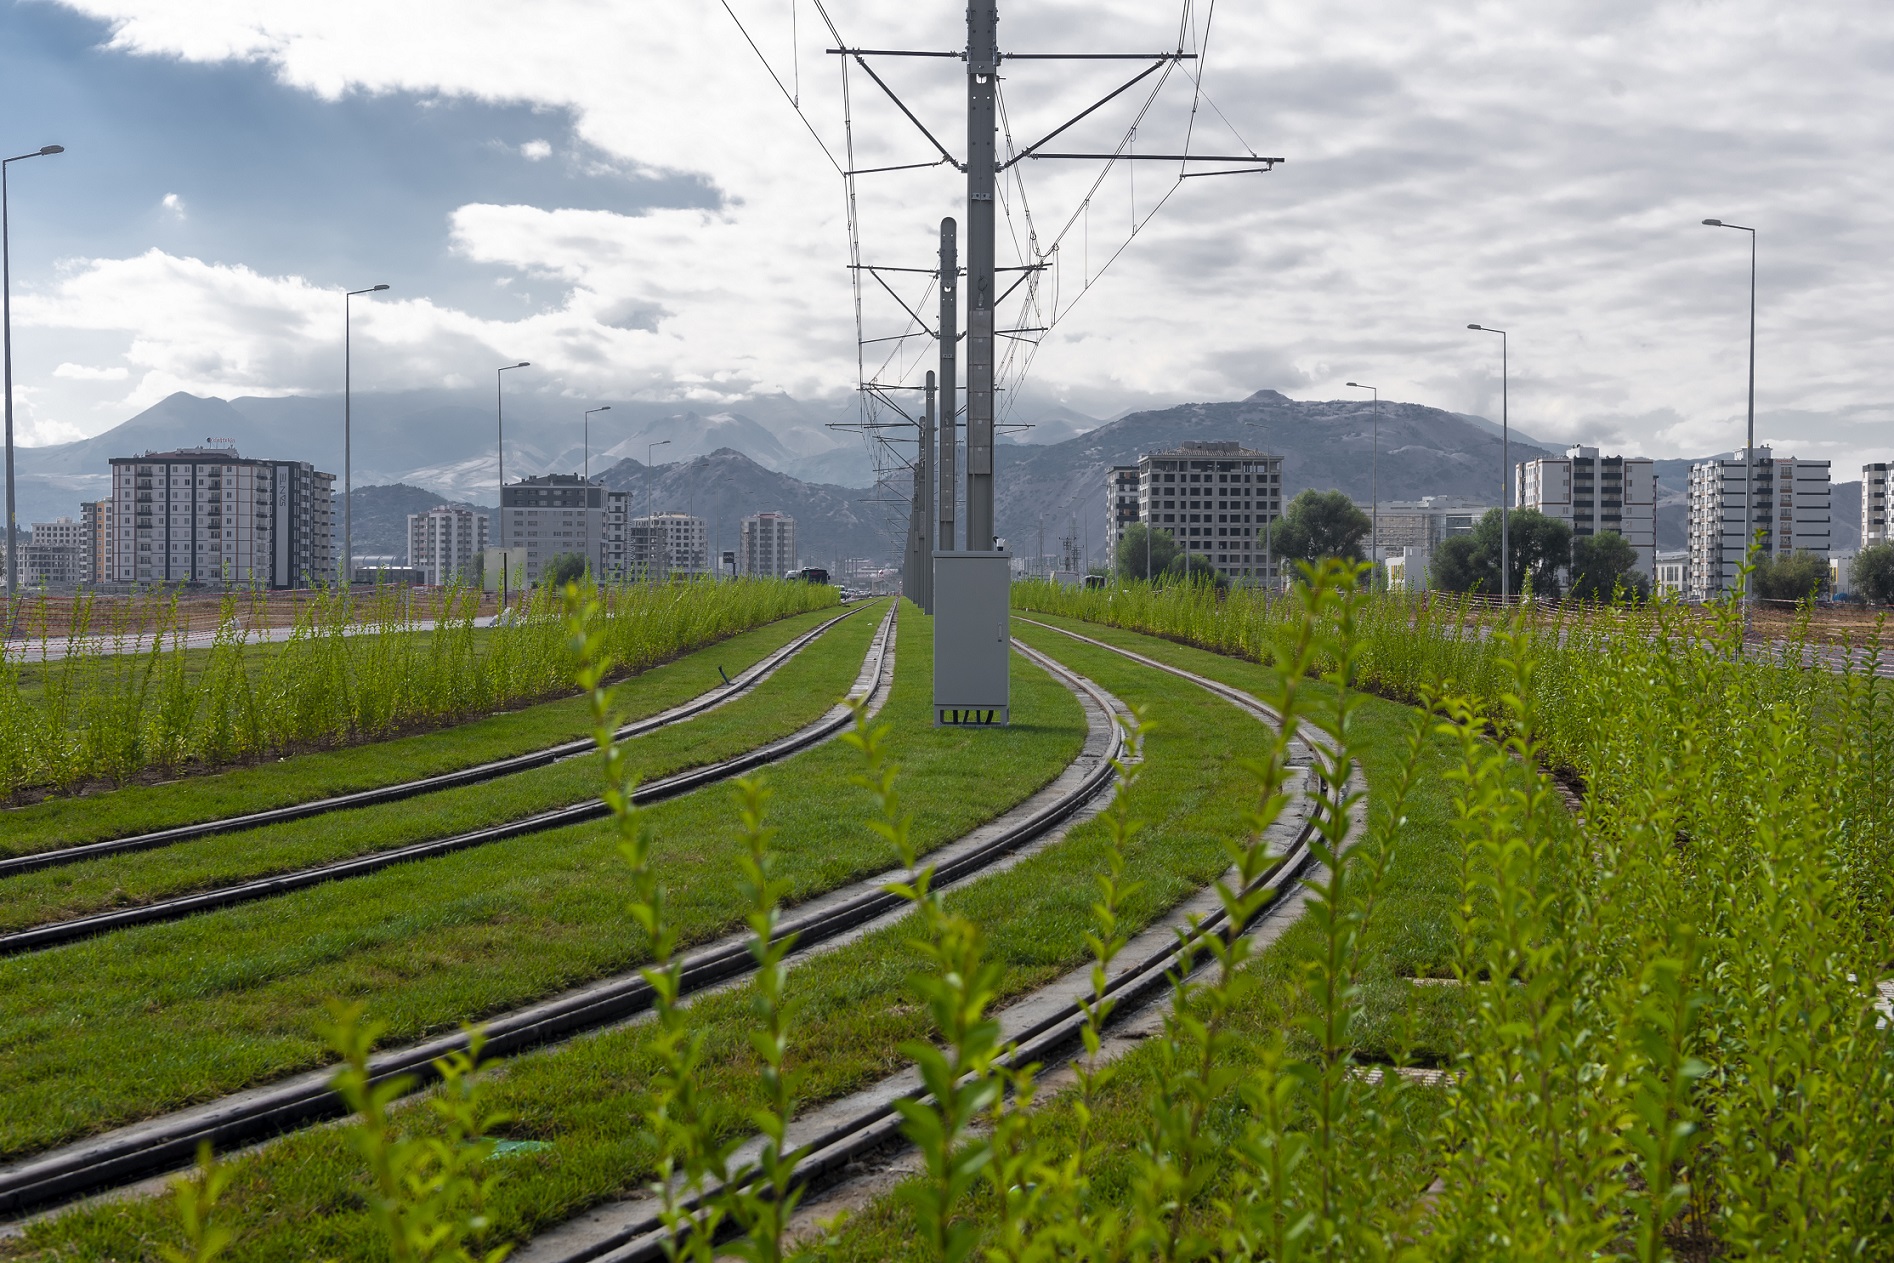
(1268, 396)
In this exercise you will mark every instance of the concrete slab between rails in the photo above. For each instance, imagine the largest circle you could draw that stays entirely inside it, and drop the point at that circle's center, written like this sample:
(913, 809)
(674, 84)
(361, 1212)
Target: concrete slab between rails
(595, 1236)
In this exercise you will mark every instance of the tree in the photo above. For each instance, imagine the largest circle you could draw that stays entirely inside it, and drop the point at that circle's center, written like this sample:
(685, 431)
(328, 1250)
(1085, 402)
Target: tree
(1602, 568)
(1460, 566)
(1873, 574)
(1319, 524)
(1540, 547)
(1133, 561)
(1194, 568)
(564, 568)
(1795, 577)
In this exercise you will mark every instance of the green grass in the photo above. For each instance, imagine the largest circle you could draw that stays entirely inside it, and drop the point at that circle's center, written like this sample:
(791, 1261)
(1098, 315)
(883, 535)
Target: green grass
(300, 778)
(1411, 934)
(797, 694)
(185, 1012)
(854, 1007)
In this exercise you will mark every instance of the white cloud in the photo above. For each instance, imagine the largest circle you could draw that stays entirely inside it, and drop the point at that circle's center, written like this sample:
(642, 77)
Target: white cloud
(1538, 167)
(173, 204)
(85, 373)
(535, 150)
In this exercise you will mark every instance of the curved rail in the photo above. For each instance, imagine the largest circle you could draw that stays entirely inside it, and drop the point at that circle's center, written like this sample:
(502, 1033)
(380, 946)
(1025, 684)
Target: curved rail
(55, 933)
(634, 1232)
(163, 1144)
(474, 775)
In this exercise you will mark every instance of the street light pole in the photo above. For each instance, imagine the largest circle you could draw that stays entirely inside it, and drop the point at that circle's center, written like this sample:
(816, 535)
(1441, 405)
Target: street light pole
(499, 418)
(588, 438)
(348, 485)
(1505, 469)
(651, 540)
(1374, 487)
(1749, 443)
(6, 336)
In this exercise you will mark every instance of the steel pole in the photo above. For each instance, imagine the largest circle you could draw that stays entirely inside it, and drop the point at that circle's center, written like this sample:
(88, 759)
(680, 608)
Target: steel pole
(1505, 479)
(6, 334)
(982, 76)
(348, 485)
(925, 487)
(947, 481)
(1749, 453)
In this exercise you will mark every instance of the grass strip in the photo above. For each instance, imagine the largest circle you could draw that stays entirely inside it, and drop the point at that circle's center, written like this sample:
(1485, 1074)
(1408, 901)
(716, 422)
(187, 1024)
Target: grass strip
(174, 1014)
(1410, 934)
(301, 778)
(799, 693)
(301, 1198)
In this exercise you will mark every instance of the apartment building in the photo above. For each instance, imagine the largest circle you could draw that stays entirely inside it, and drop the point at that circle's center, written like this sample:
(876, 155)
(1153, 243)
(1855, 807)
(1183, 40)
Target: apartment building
(97, 530)
(565, 513)
(209, 515)
(1212, 497)
(1594, 494)
(1791, 512)
(1121, 504)
(54, 556)
(767, 545)
(1671, 574)
(444, 542)
(668, 543)
(1874, 504)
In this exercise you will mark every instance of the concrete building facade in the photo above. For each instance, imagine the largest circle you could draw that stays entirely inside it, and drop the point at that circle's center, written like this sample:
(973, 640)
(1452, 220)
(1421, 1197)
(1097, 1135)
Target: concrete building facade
(444, 543)
(1874, 504)
(767, 545)
(1213, 498)
(1594, 494)
(1791, 512)
(208, 515)
(54, 555)
(667, 544)
(565, 513)
(96, 524)
(1671, 575)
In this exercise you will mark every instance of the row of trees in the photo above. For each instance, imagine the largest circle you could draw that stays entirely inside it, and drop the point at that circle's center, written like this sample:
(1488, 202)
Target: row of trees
(1320, 524)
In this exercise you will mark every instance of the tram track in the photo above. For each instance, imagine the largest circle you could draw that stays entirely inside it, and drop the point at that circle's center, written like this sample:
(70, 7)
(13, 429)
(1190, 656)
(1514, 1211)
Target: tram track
(134, 1152)
(53, 934)
(1043, 1027)
(477, 774)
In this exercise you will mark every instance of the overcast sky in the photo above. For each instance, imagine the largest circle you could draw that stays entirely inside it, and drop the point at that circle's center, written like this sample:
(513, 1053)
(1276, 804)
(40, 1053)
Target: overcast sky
(620, 193)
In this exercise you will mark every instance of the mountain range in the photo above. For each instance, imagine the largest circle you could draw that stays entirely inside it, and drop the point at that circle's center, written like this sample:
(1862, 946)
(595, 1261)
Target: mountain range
(779, 453)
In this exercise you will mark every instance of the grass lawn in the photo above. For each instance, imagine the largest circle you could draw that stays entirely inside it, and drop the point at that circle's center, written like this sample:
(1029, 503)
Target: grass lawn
(1410, 935)
(797, 694)
(178, 1013)
(299, 1199)
(301, 778)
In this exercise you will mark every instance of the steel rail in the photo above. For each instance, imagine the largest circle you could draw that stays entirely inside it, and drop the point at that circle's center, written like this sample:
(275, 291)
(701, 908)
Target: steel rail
(163, 1144)
(56, 933)
(477, 774)
(644, 1238)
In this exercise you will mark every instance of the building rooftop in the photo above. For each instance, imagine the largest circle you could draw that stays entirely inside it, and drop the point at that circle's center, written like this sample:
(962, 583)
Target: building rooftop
(1224, 449)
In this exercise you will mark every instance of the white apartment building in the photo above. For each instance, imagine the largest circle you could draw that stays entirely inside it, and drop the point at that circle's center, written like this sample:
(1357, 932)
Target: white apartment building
(767, 545)
(208, 515)
(1671, 575)
(1791, 512)
(1593, 494)
(565, 513)
(55, 556)
(444, 541)
(1874, 504)
(668, 543)
(1212, 497)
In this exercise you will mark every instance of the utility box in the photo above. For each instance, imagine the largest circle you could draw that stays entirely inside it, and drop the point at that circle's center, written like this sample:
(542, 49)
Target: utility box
(972, 639)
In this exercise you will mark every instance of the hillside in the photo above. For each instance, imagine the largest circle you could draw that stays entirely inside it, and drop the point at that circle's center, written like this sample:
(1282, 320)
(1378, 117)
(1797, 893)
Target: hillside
(725, 486)
(1324, 444)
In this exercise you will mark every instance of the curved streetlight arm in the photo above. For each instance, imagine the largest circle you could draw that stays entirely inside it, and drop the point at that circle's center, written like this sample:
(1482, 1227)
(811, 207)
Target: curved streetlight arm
(348, 390)
(588, 439)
